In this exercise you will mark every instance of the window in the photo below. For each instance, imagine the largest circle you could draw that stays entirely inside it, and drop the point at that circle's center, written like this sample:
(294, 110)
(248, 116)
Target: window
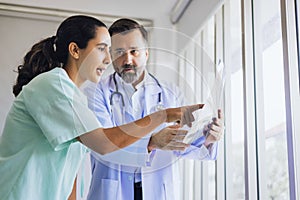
(208, 45)
(257, 153)
(298, 38)
(236, 103)
(270, 89)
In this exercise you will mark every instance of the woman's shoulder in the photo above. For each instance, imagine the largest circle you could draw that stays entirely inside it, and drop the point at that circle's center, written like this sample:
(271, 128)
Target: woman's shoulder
(54, 77)
(50, 83)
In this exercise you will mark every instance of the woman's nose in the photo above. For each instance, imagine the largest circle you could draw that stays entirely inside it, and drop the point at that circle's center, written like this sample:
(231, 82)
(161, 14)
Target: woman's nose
(107, 59)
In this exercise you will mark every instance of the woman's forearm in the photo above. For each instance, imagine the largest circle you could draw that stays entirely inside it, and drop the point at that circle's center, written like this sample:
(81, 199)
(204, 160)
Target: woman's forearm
(104, 141)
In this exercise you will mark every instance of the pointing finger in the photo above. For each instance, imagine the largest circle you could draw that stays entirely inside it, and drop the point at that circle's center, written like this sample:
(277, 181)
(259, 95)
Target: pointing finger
(195, 107)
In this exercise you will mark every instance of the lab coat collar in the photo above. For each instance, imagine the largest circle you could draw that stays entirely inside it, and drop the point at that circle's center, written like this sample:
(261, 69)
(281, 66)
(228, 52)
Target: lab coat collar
(129, 85)
(151, 85)
(151, 92)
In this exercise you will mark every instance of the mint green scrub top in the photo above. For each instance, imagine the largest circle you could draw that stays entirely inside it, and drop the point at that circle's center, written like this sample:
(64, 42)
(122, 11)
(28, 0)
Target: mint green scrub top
(39, 153)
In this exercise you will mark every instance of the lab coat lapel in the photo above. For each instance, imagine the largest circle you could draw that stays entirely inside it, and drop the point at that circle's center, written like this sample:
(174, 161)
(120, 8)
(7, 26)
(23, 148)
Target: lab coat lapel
(129, 115)
(129, 110)
(128, 107)
(152, 91)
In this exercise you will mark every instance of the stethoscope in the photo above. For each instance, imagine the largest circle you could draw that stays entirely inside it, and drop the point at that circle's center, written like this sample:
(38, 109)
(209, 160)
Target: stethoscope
(158, 107)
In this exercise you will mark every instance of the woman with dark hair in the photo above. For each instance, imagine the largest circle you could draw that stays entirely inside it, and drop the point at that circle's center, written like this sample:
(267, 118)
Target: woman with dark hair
(49, 126)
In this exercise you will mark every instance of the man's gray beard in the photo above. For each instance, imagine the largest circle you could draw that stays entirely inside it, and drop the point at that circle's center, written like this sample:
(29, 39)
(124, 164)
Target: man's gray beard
(129, 77)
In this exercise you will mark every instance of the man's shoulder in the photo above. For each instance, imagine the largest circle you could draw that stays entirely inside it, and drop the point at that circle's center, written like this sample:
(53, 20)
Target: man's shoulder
(106, 80)
(163, 83)
(169, 86)
(90, 88)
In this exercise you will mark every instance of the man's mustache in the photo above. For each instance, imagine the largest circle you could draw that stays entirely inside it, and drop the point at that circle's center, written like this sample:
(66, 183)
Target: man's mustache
(126, 67)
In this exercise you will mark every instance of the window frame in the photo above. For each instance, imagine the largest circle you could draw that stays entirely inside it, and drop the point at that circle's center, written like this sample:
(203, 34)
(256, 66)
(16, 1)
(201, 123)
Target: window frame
(291, 61)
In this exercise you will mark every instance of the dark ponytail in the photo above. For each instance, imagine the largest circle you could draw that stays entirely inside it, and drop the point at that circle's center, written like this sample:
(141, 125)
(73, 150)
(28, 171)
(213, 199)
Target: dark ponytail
(53, 51)
(41, 58)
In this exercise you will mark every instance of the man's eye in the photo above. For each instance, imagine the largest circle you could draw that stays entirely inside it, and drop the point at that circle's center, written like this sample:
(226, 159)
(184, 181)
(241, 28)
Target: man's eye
(134, 52)
(101, 48)
(119, 53)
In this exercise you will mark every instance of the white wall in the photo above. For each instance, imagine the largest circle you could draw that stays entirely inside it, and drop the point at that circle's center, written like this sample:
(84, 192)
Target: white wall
(170, 39)
(18, 34)
(19, 31)
(16, 38)
(195, 17)
(155, 10)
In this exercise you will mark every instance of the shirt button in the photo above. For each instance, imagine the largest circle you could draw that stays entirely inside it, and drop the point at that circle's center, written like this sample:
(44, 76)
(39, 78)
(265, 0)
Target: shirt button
(130, 178)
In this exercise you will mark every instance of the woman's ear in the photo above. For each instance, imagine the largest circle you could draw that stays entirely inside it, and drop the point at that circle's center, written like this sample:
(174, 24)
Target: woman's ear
(74, 50)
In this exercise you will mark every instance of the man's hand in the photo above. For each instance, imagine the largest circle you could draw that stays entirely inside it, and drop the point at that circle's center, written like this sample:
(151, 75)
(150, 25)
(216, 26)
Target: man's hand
(169, 138)
(214, 130)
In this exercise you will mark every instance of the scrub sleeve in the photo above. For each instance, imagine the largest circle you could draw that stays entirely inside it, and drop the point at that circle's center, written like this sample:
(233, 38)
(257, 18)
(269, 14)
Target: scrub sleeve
(44, 121)
(64, 114)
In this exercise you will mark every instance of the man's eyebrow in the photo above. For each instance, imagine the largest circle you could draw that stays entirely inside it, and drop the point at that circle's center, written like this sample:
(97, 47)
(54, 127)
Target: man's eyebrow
(130, 48)
(134, 47)
(137, 47)
(118, 49)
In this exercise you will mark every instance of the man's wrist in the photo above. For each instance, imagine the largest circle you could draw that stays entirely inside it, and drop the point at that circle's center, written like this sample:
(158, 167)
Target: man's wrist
(207, 144)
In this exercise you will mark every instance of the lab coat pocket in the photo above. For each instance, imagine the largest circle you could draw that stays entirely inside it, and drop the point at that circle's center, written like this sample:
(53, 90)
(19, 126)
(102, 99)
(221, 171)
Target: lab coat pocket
(109, 189)
(172, 190)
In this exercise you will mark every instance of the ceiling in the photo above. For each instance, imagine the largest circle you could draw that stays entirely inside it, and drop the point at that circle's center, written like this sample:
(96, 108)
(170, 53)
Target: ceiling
(130, 8)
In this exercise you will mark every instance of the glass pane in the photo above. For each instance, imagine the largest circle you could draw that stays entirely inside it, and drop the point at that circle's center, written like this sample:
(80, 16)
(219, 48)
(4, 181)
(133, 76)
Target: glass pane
(209, 48)
(275, 155)
(237, 111)
(298, 26)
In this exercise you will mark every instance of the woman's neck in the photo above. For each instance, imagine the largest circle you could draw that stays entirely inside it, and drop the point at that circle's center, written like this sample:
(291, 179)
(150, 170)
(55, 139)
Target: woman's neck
(72, 72)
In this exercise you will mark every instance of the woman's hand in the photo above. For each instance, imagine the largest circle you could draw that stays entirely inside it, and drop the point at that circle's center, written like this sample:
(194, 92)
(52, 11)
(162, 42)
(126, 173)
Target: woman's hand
(182, 115)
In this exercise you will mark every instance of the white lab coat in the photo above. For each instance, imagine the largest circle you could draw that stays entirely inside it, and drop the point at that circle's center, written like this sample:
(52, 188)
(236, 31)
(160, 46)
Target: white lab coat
(113, 174)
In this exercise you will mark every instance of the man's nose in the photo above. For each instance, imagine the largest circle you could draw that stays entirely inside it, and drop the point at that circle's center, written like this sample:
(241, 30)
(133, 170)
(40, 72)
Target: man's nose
(127, 58)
